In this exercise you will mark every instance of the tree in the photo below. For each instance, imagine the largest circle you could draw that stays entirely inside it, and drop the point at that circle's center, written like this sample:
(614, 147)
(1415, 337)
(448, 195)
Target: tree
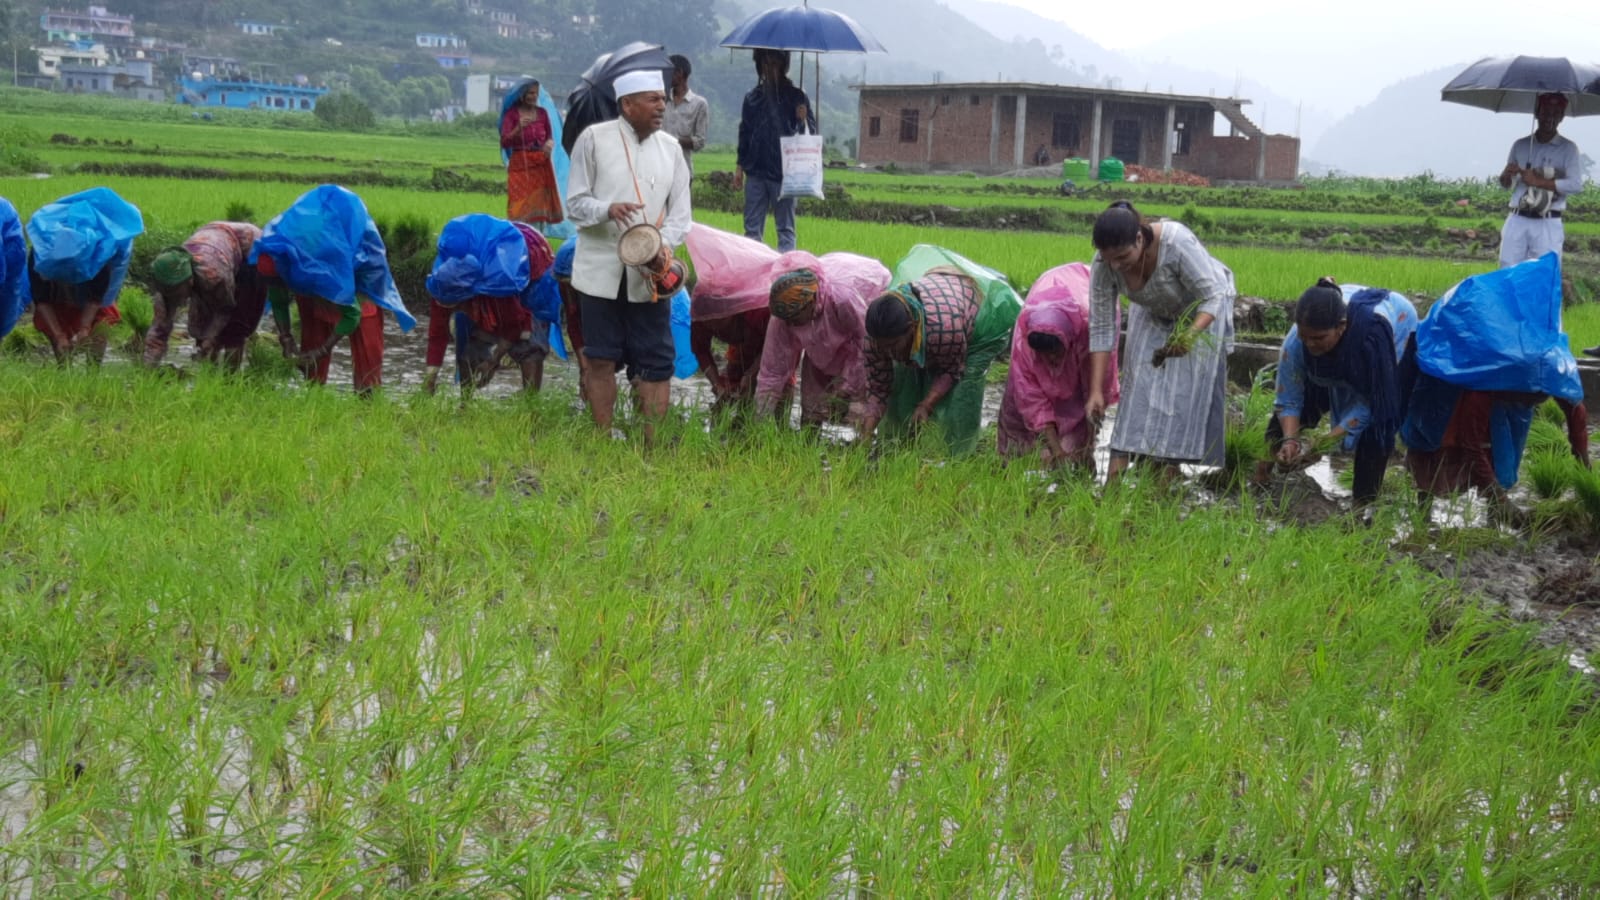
(344, 110)
(374, 90)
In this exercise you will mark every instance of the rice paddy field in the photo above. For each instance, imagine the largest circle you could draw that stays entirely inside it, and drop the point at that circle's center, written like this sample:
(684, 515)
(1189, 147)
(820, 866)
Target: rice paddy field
(269, 640)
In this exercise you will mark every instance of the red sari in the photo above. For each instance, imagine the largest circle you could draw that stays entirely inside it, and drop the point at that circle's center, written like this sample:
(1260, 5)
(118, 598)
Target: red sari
(531, 192)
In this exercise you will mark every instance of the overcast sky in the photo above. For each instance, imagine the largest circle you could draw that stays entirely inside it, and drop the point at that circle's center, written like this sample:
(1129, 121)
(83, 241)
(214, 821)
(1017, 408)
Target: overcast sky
(1333, 55)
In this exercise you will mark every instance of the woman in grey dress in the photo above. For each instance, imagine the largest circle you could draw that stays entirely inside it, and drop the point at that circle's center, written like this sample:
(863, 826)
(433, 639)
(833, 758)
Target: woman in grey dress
(1180, 331)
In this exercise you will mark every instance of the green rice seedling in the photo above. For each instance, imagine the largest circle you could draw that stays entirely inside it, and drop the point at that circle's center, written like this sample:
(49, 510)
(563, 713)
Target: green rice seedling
(138, 312)
(1586, 485)
(1547, 435)
(1550, 471)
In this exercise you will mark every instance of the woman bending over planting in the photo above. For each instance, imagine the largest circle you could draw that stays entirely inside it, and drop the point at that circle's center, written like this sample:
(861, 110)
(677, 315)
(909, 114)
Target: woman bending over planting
(819, 313)
(1048, 383)
(485, 276)
(82, 245)
(930, 341)
(211, 274)
(1343, 359)
(326, 252)
(1180, 331)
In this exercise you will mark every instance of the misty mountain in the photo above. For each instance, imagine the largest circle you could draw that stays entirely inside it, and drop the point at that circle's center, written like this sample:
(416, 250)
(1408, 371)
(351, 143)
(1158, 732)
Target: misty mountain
(1407, 130)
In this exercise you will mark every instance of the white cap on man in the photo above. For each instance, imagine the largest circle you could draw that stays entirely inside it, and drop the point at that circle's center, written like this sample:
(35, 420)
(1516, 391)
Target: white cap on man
(639, 82)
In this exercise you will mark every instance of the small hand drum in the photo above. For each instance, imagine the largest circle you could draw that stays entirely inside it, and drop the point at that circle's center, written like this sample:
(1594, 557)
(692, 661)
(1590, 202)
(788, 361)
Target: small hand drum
(640, 246)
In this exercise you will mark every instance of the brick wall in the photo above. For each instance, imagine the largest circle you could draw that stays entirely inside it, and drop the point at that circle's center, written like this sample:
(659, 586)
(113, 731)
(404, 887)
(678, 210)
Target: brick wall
(1283, 158)
(955, 129)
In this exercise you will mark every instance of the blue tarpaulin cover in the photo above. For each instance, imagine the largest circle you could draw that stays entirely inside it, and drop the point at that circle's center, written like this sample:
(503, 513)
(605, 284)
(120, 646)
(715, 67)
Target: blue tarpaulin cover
(1501, 331)
(326, 245)
(14, 292)
(479, 255)
(685, 366)
(76, 236)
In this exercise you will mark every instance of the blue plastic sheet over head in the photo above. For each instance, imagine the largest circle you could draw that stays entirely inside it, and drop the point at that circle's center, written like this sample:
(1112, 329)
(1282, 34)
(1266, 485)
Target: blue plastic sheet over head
(326, 245)
(479, 255)
(14, 290)
(1501, 331)
(76, 236)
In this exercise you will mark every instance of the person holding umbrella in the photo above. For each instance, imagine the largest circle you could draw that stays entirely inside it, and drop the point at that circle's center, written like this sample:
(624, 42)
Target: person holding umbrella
(1543, 170)
(774, 109)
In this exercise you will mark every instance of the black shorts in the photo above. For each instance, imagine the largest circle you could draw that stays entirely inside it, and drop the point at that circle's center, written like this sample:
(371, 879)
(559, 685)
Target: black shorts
(636, 335)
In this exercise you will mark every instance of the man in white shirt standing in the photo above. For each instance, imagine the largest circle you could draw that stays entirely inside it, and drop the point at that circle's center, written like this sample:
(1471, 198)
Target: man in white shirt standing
(1542, 170)
(688, 115)
(626, 172)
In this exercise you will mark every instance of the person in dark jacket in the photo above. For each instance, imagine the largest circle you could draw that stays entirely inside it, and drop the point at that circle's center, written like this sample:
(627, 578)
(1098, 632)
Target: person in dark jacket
(774, 109)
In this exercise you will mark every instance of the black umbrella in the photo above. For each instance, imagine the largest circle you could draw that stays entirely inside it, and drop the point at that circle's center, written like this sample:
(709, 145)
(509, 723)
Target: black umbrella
(595, 97)
(1513, 83)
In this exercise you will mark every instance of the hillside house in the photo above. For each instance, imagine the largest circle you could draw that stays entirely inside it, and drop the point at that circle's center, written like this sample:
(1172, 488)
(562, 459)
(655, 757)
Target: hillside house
(134, 79)
(80, 54)
(249, 93)
(440, 41)
(96, 25)
(1001, 126)
(453, 60)
(258, 29)
(200, 65)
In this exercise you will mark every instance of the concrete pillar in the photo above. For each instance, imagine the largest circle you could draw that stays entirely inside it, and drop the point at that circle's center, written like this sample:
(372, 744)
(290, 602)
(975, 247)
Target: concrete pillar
(1261, 158)
(994, 132)
(1022, 126)
(1166, 137)
(1094, 141)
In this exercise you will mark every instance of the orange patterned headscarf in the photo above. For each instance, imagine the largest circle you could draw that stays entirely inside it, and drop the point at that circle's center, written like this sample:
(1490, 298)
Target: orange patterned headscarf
(793, 293)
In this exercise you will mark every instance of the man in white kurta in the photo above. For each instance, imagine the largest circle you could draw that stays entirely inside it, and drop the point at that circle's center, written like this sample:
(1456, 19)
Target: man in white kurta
(624, 172)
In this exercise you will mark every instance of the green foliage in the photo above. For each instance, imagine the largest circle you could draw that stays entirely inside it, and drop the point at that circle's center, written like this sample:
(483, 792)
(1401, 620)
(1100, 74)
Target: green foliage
(239, 212)
(346, 111)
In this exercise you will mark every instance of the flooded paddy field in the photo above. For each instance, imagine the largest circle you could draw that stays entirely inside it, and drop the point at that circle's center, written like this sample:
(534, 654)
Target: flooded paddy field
(275, 640)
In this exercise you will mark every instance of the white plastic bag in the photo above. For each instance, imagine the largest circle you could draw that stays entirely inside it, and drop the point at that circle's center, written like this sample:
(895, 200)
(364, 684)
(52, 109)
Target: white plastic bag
(802, 165)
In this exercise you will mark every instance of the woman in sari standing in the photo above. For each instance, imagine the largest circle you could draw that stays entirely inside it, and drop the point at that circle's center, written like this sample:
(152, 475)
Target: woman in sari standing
(527, 142)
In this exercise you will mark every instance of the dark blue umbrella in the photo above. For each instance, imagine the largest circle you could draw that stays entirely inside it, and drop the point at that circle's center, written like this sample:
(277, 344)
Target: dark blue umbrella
(806, 28)
(1513, 83)
(595, 97)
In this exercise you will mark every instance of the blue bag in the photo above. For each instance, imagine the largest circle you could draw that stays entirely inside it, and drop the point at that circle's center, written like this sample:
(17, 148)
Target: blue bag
(74, 237)
(685, 366)
(478, 255)
(326, 245)
(15, 294)
(1501, 331)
